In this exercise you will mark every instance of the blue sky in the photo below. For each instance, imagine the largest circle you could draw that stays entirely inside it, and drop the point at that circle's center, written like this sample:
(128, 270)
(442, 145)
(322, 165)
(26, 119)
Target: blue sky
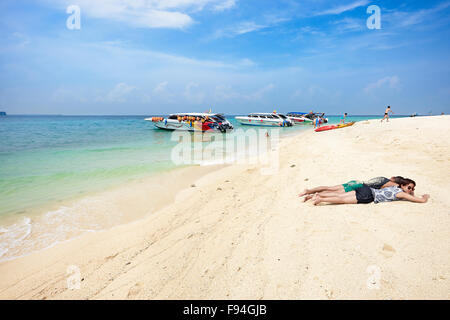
(235, 56)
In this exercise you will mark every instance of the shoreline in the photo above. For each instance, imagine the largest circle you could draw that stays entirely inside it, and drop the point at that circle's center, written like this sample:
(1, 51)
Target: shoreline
(117, 195)
(36, 217)
(242, 235)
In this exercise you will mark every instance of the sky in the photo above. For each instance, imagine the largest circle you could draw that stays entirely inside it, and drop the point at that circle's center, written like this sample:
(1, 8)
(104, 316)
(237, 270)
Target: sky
(148, 57)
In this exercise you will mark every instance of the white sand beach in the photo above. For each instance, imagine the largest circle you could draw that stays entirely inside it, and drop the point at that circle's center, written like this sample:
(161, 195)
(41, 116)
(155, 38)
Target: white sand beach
(239, 234)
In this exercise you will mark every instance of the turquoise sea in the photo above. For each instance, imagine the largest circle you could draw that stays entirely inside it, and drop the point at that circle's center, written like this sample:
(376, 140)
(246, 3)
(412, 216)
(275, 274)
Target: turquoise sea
(47, 159)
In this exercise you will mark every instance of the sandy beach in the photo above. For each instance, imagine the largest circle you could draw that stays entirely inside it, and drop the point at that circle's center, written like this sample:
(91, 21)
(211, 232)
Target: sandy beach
(239, 234)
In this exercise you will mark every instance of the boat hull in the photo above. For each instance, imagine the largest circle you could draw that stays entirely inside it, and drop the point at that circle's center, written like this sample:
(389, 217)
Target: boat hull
(300, 121)
(195, 126)
(261, 122)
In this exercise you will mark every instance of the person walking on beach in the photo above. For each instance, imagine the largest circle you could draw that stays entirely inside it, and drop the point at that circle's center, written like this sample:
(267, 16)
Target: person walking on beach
(344, 117)
(386, 114)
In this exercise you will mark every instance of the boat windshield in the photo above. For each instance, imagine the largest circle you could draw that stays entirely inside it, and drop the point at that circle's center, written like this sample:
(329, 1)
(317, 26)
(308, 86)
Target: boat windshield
(216, 118)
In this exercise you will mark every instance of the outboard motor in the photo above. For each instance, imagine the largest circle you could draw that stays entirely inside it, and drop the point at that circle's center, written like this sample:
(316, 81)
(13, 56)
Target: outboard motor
(222, 128)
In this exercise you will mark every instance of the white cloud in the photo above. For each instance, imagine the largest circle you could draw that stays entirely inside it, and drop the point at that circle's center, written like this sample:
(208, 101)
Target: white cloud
(349, 25)
(246, 27)
(192, 93)
(118, 94)
(161, 87)
(243, 27)
(162, 93)
(118, 49)
(344, 8)
(224, 92)
(224, 5)
(391, 82)
(239, 29)
(147, 13)
(259, 94)
(407, 19)
(309, 92)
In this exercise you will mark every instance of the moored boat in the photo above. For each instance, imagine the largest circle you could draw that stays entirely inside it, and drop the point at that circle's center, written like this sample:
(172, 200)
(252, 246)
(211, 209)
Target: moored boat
(265, 119)
(192, 122)
(306, 118)
(299, 118)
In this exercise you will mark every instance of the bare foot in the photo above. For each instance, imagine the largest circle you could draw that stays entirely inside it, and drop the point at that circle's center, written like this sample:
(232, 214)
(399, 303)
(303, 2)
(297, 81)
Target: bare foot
(304, 193)
(308, 197)
(317, 199)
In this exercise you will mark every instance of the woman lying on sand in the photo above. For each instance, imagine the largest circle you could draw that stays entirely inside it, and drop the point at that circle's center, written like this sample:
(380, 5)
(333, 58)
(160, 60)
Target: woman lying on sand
(365, 194)
(375, 183)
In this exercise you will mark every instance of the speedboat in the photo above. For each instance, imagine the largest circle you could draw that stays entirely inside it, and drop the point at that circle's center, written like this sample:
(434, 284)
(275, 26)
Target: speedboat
(299, 118)
(193, 122)
(265, 119)
(313, 116)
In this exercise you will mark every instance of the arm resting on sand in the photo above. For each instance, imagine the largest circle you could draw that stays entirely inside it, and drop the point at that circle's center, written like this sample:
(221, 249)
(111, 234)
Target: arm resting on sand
(405, 196)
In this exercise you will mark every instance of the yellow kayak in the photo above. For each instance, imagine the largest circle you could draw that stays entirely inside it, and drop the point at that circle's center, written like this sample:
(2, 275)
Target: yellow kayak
(343, 125)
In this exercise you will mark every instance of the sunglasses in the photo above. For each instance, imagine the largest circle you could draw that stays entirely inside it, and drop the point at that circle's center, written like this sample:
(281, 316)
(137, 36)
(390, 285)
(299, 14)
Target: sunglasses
(411, 188)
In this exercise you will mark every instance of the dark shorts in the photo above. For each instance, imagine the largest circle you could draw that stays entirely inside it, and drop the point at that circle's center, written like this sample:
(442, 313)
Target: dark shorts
(364, 195)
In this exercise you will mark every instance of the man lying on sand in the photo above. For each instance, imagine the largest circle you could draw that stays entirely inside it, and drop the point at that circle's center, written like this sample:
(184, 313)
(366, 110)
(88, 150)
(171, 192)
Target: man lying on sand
(375, 183)
(365, 194)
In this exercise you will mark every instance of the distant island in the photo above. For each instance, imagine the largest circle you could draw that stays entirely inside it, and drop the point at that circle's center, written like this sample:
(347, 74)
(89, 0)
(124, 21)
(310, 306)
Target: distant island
(2, 113)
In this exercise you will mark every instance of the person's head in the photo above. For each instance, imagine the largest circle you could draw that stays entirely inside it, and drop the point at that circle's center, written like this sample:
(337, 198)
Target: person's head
(398, 180)
(345, 114)
(408, 186)
(389, 107)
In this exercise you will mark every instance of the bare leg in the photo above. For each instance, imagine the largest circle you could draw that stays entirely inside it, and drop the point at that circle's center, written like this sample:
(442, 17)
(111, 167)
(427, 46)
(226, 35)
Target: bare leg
(338, 188)
(347, 198)
(323, 194)
(328, 194)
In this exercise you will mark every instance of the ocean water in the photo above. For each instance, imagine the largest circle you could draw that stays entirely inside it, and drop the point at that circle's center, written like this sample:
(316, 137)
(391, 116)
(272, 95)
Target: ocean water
(49, 159)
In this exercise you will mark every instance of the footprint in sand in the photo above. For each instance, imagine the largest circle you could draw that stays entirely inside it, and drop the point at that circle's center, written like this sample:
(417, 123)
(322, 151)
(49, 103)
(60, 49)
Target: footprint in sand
(134, 291)
(387, 251)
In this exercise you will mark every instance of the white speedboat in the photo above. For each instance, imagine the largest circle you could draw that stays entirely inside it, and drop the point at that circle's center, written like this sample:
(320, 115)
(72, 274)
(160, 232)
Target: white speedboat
(192, 122)
(299, 118)
(306, 118)
(265, 119)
